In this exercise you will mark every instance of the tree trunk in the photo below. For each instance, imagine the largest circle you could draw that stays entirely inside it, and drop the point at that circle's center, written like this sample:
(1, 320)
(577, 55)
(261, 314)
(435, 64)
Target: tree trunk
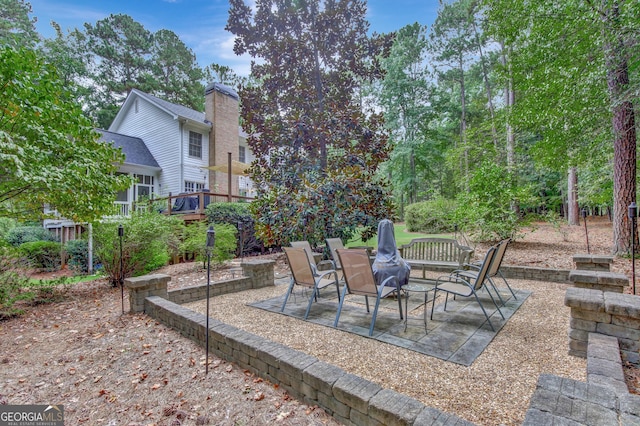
(572, 203)
(487, 85)
(624, 132)
(463, 125)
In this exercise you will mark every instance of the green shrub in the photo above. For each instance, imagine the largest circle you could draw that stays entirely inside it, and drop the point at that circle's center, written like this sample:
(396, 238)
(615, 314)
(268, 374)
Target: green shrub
(431, 217)
(6, 225)
(195, 239)
(150, 238)
(237, 214)
(78, 255)
(27, 234)
(43, 254)
(486, 211)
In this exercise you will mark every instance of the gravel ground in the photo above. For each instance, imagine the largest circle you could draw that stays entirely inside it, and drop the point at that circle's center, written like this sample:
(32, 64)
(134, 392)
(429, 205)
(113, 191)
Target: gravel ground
(495, 389)
(112, 369)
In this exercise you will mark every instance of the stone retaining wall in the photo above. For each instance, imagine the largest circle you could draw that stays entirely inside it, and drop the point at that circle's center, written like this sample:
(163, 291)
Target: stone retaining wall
(603, 400)
(350, 399)
(608, 313)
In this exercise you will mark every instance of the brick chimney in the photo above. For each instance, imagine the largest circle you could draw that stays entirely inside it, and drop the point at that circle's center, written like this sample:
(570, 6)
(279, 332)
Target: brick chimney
(222, 110)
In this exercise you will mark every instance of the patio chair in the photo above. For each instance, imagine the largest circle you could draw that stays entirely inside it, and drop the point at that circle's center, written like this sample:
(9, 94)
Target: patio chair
(302, 275)
(467, 286)
(334, 244)
(359, 281)
(495, 268)
(312, 260)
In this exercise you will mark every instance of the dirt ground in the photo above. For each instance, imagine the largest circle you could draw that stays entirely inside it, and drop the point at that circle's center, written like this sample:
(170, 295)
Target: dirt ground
(109, 368)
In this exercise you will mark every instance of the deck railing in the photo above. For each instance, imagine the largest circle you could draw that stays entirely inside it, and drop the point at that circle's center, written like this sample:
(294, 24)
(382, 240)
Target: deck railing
(183, 203)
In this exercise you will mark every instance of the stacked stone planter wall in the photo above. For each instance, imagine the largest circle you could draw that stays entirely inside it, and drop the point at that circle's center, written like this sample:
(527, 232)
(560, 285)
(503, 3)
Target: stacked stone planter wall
(608, 313)
(350, 399)
(604, 328)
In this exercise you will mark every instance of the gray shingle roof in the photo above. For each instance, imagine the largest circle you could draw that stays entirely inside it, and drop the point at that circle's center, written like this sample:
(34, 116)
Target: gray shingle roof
(179, 110)
(134, 149)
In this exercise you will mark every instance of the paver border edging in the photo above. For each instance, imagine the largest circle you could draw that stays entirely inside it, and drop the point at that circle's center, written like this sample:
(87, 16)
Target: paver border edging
(350, 399)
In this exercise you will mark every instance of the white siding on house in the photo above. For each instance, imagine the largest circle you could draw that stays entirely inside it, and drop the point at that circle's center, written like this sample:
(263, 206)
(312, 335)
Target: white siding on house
(161, 133)
(194, 168)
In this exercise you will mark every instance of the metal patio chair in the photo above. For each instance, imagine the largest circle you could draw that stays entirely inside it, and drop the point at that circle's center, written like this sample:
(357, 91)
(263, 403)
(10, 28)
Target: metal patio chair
(302, 275)
(359, 281)
(467, 286)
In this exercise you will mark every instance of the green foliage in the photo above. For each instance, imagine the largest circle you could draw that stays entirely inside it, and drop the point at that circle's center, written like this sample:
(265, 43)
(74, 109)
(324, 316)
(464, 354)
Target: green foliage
(50, 151)
(238, 215)
(78, 255)
(487, 212)
(195, 238)
(6, 225)
(431, 217)
(43, 254)
(130, 56)
(150, 238)
(122, 46)
(27, 234)
(404, 95)
(17, 291)
(317, 148)
(16, 28)
(333, 207)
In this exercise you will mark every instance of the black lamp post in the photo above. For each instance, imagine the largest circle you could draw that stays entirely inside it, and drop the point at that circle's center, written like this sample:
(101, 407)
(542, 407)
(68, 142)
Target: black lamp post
(211, 242)
(633, 213)
(121, 276)
(241, 238)
(584, 216)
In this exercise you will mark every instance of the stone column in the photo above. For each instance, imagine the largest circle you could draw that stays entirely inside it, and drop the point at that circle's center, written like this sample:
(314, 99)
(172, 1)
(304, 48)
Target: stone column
(593, 262)
(260, 272)
(142, 287)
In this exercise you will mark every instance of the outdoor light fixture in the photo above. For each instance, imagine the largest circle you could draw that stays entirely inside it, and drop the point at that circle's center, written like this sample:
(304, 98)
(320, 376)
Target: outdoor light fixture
(121, 277)
(633, 213)
(584, 216)
(211, 242)
(241, 238)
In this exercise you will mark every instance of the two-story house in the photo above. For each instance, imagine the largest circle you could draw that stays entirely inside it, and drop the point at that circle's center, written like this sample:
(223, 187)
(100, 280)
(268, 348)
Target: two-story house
(172, 149)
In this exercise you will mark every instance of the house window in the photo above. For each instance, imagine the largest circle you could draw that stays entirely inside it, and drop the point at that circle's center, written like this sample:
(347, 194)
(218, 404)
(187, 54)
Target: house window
(143, 186)
(195, 144)
(190, 186)
(241, 155)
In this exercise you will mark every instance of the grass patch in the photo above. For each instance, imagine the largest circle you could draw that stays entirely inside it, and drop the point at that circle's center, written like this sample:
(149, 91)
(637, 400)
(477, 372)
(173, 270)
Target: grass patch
(401, 234)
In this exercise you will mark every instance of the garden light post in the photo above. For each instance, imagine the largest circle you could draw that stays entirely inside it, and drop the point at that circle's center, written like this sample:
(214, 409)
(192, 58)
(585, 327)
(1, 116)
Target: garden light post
(584, 216)
(211, 242)
(241, 237)
(121, 275)
(633, 213)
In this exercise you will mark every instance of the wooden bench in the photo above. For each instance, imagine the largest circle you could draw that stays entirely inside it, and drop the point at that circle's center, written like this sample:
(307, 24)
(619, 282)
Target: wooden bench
(442, 254)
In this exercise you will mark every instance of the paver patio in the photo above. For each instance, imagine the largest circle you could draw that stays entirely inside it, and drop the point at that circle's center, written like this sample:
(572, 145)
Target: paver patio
(458, 335)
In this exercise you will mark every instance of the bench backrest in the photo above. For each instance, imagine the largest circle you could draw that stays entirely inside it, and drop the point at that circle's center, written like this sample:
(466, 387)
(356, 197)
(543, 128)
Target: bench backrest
(436, 249)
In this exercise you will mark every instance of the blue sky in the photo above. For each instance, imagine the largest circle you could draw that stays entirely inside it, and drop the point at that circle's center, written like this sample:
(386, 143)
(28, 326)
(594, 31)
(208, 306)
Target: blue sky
(200, 23)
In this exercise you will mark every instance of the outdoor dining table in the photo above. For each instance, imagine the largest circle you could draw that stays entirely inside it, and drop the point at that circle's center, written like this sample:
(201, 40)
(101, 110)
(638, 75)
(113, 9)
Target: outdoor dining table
(417, 286)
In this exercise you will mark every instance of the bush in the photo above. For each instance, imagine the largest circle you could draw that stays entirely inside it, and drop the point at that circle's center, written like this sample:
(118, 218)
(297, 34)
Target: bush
(6, 225)
(27, 234)
(431, 217)
(43, 254)
(150, 238)
(485, 212)
(195, 240)
(78, 255)
(236, 214)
